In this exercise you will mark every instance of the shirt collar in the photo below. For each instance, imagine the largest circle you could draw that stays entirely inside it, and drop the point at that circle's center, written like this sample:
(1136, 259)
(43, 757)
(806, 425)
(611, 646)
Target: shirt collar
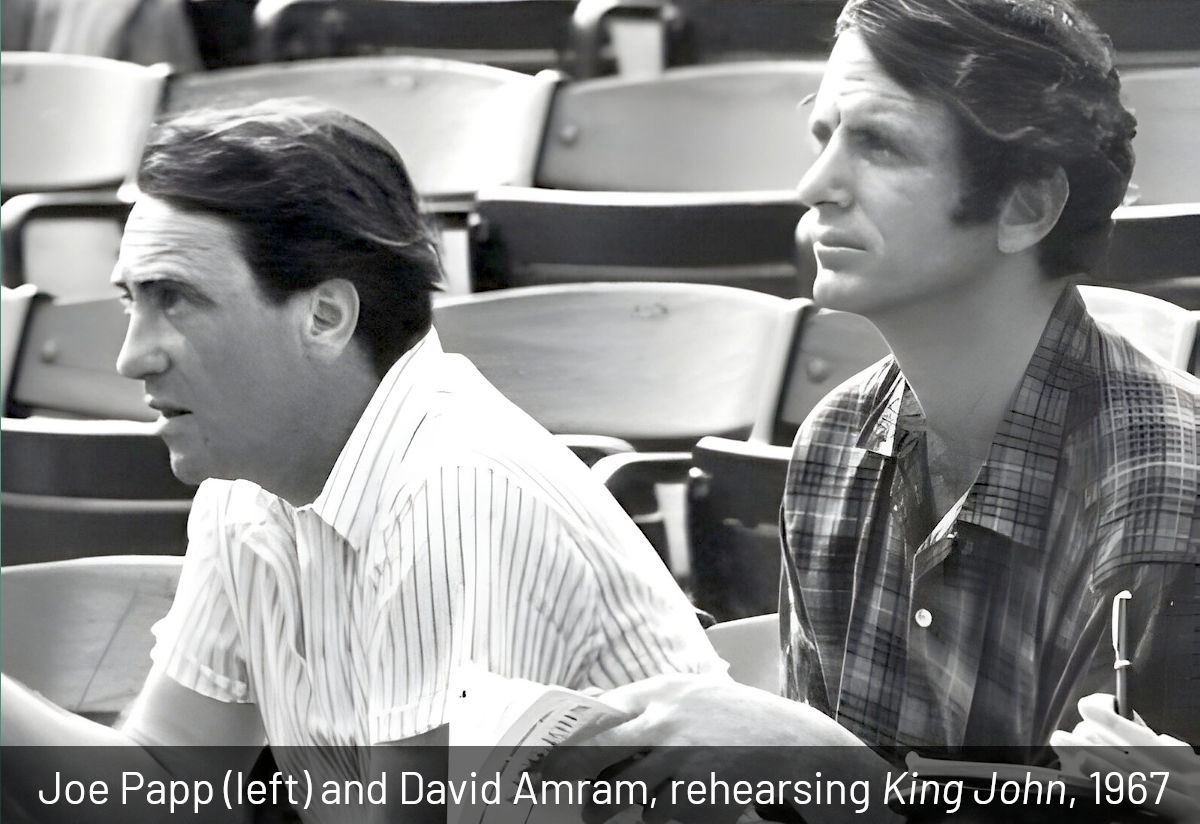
(1024, 454)
(349, 500)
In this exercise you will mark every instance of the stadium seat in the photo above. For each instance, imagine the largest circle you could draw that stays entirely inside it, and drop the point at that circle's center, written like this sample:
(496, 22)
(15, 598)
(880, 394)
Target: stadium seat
(64, 243)
(1155, 249)
(73, 122)
(734, 491)
(524, 35)
(85, 474)
(78, 631)
(650, 366)
(528, 236)
(459, 126)
(1166, 102)
(825, 348)
(74, 489)
(735, 487)
(707, 31)
(727, 127)
(657, 364)
(15, 306)
(66, 365)
(1162, 33)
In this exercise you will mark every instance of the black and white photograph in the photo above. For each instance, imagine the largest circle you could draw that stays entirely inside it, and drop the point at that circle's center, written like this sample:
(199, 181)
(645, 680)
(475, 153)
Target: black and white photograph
(585, 411)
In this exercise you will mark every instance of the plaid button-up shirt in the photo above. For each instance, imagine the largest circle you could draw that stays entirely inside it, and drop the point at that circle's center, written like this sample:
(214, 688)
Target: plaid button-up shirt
(983, 627)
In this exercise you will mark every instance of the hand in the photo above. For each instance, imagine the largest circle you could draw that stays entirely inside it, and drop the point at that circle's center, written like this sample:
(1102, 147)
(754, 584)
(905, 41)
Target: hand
(1105, 742)
(729, 730)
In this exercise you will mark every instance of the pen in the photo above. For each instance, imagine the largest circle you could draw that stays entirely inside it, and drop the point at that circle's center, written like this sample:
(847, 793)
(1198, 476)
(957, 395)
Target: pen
(1121, 664)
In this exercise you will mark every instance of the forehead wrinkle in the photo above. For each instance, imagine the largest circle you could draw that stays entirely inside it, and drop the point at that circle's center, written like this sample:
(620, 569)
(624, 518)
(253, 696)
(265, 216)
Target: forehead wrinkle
(149, 243)
(855, 80)
(862, 97)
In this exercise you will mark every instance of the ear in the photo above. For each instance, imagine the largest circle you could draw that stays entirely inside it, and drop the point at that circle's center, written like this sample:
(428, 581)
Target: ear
(1031, 210)
(330, 317)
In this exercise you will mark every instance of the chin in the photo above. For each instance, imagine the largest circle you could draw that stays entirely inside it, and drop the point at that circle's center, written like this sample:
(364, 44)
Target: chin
(834, 290)
(189, 470)
(846, 292)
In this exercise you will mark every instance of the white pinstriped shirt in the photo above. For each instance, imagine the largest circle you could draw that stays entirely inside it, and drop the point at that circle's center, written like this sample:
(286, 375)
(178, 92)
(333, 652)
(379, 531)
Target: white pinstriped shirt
(452, 529)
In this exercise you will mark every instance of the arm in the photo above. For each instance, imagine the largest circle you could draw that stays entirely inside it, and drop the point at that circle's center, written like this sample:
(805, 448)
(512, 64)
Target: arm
(162, 741)
(172, 729)
(736, 732)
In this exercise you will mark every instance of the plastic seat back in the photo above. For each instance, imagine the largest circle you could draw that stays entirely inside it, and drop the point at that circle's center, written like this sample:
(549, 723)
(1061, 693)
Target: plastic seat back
(67, 363)
(528, 236)
(458, 126)
(725, 127)
(659, 365)
(71, 121)
(734, 492)
(78, 631)
(827, 348)
(1166, 102)
(524, 35)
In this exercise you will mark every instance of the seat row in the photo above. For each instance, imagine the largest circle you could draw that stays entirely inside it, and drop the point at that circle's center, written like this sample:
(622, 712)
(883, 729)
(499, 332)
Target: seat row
(72, 122)
(646, 381)
(687, 175)
(592, 37)
(77, 628)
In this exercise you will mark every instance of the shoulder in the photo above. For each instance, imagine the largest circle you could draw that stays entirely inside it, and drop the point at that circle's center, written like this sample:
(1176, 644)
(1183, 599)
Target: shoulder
(1144, 412)
(841, 416)
(1144, 435)
(224, 513)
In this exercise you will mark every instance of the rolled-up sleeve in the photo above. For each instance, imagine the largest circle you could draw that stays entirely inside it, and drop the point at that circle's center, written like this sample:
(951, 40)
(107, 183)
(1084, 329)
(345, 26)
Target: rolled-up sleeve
(198, 643)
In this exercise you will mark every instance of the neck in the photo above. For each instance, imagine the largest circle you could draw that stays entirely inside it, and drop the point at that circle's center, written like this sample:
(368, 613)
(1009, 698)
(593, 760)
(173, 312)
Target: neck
(338, 402)
(965, 353)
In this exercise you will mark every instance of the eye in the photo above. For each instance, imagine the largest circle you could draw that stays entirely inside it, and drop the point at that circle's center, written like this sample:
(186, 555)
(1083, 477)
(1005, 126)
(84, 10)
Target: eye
(166, 296)
(873, 143)
(162, 296)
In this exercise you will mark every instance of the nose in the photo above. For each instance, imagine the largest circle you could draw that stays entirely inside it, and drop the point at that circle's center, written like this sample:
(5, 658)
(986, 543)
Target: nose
(142, 354)
(827, 180)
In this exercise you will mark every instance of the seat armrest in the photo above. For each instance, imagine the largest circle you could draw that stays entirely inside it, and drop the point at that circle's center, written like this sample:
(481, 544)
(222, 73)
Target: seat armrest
(631, 477)
(592, 448)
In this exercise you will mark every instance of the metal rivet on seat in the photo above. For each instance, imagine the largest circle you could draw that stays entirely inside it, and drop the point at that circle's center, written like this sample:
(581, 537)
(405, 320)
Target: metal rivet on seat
(569, 133)
(50, 351)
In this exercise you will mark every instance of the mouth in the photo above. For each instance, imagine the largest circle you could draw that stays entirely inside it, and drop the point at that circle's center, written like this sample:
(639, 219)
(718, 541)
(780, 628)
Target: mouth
(831, 241)
(167, 410)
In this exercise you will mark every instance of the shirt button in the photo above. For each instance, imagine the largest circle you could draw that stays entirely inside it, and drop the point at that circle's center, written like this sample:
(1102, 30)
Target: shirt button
(923, 617)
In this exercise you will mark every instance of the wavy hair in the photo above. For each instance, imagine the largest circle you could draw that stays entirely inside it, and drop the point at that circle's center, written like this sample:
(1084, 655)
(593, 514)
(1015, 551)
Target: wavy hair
(1032, 86)
(312, 194)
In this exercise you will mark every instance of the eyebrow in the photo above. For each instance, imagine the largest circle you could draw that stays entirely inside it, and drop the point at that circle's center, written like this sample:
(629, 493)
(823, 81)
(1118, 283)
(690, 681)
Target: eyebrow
(876, 113)
(187, 287)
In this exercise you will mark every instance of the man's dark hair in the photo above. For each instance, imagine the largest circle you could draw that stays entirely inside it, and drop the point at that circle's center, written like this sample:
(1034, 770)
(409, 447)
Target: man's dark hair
(1032, 86)
(312, 194)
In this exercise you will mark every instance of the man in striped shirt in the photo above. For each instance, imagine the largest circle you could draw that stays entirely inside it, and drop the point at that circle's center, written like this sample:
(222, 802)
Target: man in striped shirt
(376, 516)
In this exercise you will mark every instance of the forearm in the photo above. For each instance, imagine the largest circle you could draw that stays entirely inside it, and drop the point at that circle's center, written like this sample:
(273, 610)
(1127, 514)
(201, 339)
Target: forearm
(29, 719)
(43, 748)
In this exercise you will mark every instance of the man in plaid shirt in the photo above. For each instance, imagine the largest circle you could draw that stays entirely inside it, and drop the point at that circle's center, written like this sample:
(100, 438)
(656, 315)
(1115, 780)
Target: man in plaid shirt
(958, 518)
